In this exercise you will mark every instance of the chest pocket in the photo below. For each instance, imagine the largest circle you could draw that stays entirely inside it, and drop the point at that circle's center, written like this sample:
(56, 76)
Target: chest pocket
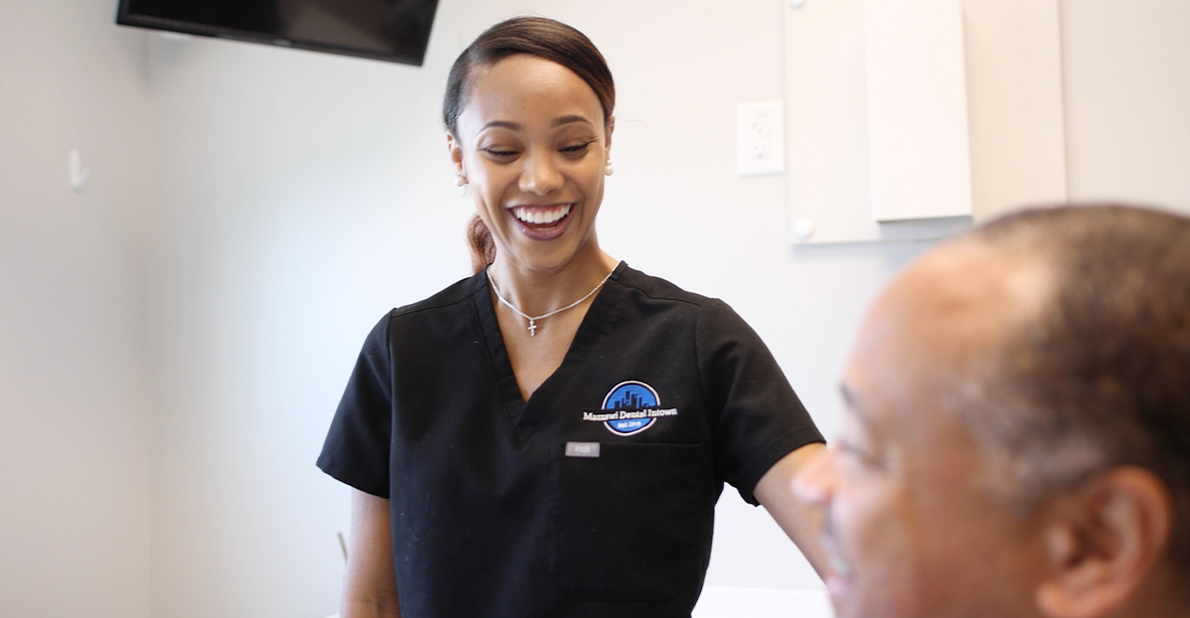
(633, 523)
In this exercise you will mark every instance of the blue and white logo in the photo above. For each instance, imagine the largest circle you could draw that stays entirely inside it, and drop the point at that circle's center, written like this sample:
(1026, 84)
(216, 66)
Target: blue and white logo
(630, 408)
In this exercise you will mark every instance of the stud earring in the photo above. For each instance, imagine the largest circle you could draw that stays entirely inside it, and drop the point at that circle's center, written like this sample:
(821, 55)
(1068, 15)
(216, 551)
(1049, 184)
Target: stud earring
(608, 170)
(460, 179)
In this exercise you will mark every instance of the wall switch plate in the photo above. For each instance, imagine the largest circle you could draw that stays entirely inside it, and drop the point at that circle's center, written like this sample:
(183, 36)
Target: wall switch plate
(760, 138)
(76, 173)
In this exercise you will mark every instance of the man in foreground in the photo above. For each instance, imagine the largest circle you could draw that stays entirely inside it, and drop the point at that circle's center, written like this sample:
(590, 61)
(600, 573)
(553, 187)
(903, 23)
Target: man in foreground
(1017, 440)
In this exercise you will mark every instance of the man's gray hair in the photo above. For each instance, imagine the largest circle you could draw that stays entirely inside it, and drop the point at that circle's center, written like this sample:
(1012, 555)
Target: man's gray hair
(1101, 377)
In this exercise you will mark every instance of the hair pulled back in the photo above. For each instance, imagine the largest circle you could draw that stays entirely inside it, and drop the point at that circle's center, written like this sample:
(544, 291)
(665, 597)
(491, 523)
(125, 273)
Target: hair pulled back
(535, 36)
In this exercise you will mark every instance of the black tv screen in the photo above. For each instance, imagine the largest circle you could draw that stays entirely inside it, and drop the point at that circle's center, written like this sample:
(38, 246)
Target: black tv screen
(393, 30)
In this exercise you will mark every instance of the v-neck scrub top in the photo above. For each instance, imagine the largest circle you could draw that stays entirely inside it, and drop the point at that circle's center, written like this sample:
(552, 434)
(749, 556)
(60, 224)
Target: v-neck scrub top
(593, 498)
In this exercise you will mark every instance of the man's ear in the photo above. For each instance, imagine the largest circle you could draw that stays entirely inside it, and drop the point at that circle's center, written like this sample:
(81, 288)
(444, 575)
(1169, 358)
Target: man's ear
(1104, 542)
(456, 153)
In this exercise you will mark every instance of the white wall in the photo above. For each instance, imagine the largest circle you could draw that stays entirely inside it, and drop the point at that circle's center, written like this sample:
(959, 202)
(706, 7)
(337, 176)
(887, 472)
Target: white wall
(74, 460)
(1126, 73)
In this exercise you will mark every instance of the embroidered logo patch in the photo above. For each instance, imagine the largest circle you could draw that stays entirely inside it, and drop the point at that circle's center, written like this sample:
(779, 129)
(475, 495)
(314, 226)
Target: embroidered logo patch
(630, 408)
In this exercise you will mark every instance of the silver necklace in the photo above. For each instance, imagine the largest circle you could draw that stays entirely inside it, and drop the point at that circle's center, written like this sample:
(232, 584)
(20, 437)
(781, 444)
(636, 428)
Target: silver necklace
(533, 320)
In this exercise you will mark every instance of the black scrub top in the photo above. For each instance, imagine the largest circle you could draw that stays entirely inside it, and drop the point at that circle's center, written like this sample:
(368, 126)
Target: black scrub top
(595, 497)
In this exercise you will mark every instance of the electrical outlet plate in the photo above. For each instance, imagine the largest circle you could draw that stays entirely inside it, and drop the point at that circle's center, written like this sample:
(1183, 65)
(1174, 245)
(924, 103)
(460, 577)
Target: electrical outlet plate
(760, 138)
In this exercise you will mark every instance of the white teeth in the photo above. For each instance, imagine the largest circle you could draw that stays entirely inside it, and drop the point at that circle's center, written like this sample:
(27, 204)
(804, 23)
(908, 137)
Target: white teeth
(539, 216)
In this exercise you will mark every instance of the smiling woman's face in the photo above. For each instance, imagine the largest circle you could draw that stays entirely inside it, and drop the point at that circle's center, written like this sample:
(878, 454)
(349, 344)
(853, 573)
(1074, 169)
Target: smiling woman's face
(533, 145)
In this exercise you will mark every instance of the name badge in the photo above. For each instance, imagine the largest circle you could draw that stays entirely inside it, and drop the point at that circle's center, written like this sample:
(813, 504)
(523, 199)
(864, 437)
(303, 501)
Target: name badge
(582, 449)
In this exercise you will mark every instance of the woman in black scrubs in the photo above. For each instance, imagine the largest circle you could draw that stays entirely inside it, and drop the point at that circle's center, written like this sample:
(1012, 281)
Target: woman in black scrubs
(548, 437)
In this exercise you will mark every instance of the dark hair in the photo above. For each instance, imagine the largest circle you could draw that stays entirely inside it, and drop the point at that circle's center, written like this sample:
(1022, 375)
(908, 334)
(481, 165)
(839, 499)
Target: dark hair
(1102, 377)
(536, 36)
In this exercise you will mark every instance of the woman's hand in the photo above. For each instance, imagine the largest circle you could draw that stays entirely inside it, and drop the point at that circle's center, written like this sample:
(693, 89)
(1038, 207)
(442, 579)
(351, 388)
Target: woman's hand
(801, 521)
(370, 586)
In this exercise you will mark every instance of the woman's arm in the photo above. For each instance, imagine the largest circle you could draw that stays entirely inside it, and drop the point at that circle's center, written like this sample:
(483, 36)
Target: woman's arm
(802, 522)
(370, 586)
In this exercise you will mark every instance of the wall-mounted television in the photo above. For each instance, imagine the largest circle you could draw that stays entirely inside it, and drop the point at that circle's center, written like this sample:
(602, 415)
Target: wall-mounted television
(393, 30)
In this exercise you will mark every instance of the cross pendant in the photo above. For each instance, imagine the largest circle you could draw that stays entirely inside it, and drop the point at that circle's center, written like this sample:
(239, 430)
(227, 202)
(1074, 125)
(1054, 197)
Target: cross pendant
(532, 328)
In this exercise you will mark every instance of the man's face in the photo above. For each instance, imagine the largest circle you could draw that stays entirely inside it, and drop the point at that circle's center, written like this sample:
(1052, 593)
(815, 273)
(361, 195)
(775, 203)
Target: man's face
(913, 528)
